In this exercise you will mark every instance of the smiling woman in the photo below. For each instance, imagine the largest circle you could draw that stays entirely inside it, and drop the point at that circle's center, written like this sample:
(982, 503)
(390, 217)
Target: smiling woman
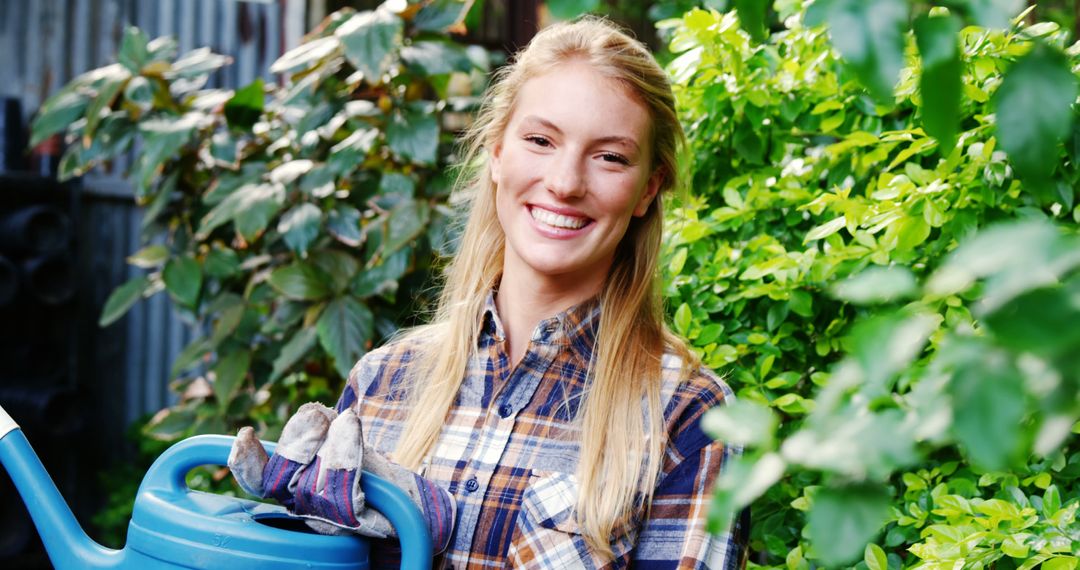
(570, 179)
(547, 397)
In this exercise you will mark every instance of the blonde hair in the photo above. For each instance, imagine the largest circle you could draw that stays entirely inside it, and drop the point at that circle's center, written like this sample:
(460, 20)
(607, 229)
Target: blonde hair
(621, 448)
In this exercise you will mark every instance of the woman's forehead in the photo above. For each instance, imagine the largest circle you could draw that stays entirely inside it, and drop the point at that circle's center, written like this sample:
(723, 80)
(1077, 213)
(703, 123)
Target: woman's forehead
(575, 98)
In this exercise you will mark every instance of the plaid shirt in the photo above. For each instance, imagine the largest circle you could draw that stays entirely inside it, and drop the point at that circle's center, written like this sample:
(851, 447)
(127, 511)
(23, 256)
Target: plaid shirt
(509, 450)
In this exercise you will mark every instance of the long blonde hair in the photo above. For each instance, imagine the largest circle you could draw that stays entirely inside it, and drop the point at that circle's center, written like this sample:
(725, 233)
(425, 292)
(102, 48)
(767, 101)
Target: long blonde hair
(621, 448)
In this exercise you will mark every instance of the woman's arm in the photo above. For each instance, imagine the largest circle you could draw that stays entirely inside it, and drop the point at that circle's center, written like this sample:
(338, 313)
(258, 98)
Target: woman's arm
(674, 534)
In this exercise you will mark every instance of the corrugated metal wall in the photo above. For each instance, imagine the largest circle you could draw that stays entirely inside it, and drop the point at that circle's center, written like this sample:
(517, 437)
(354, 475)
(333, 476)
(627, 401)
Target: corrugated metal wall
(44, 44)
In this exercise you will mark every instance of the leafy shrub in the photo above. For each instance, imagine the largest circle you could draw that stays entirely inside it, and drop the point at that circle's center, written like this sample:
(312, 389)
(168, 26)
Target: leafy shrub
(299, 219)
(906, 376)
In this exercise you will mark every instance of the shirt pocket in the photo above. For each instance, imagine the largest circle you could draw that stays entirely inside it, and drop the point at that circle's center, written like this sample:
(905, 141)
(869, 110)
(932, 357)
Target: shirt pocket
(548, 535)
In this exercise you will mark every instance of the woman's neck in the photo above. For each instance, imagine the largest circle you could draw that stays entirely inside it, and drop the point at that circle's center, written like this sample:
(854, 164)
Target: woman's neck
(522, 304)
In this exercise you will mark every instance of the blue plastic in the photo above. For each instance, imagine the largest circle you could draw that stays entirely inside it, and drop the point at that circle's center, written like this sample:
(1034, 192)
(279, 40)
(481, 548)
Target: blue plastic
(175, 527)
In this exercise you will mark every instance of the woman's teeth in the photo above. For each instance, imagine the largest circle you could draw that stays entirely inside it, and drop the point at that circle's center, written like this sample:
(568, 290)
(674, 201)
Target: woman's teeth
(557, 220)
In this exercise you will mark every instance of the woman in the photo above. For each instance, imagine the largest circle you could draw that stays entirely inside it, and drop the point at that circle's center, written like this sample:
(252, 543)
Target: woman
(547, 397)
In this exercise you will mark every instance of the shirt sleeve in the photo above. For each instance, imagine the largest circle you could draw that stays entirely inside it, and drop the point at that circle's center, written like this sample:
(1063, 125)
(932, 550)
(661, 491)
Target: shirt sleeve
(674, 534)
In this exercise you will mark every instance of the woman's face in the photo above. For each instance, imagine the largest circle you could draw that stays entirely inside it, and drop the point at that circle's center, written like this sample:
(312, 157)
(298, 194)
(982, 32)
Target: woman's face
(573, 167)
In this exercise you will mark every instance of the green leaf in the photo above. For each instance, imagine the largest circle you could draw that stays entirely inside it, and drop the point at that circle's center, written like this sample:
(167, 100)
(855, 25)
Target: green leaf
(1051, 501)
(56, 114)
(570, 9)
(383, 277)
(343, 223)
(200, 61)
(438, 15)
(397, 186)
(227, 322)
(306, 55)
(369, 39)
(107, 89)
(802, 303)
(1034, 112)
(749, 144)
(229, 374)
(1040, 321)
(293, 351)
(988, 405)
(436, 57)
(405, 223)
(752, 17)
(1014, 546)
(1061, 563)
(138, 92)
(171, 423)
(134, 52)
(994, 13)
(339, 265)
(842, 520)
(742, 422)
(162, 140)
(345, 329)
(869, 34)
(876, 285)
(221, 262)
(161, 49)
(940, 83)
(191, 355)
(300, 282)
(183, 280)
(251, 206)
(1015, 257)
(414, 135)
(123, 298)
(300, 226)
(149, 257)
(683, 317)
(741, 482)
(875, 558)
(159, 200)
(825, 230)
(245, 107)
(885, 344)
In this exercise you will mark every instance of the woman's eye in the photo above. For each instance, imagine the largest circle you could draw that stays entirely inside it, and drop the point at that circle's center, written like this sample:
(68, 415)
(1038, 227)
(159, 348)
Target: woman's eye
(538, 140)
(614, 158)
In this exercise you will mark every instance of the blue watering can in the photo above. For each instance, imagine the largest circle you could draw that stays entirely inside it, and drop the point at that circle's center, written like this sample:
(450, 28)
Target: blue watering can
(173, 526)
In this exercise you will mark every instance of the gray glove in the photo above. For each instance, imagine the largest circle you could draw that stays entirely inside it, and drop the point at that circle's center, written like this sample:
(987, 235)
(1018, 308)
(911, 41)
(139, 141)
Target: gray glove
(315, 473)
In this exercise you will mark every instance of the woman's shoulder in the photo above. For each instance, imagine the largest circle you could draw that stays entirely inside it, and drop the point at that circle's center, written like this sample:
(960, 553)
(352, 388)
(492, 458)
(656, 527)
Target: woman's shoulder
(385, 365)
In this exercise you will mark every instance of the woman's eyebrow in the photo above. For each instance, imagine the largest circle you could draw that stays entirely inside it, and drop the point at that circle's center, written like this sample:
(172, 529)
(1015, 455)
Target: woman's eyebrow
(610, 139)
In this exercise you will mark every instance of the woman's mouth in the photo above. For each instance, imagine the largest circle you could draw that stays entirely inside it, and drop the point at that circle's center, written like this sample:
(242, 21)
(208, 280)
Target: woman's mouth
(557, 221)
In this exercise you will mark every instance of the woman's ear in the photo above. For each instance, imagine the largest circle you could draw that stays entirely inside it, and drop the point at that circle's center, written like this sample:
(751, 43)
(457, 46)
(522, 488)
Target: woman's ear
(651, 188)
(493, 161)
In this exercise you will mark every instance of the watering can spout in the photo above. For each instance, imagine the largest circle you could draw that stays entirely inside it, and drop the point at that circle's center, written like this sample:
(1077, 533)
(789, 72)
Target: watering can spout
(65, 541)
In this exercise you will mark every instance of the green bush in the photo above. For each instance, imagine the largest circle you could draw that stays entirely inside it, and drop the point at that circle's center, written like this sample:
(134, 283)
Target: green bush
(300, 219)
(906, 377)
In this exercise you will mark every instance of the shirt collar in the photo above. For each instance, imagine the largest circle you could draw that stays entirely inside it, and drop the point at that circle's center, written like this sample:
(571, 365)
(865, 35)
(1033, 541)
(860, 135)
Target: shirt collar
(575, 327)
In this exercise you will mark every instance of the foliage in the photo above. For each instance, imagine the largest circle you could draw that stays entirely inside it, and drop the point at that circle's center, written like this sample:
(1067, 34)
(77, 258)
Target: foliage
(293, 222)
(881, 254)
(299, 219)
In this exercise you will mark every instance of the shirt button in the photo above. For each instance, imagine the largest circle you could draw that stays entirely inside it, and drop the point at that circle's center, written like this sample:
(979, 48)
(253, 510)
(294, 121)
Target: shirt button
(471, 485)
(505, 410)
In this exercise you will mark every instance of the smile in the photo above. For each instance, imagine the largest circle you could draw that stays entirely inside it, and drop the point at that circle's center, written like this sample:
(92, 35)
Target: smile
(557, 220)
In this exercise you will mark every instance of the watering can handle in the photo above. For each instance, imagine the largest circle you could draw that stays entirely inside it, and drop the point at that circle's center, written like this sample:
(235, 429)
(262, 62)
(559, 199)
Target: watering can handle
(171, 469)
(6, 423)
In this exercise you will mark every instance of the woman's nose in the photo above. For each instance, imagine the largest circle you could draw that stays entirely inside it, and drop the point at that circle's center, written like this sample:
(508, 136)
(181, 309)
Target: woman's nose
(565, 177)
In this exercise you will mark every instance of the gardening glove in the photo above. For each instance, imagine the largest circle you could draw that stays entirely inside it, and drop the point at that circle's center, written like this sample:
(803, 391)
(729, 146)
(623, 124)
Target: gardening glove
(315, 473)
